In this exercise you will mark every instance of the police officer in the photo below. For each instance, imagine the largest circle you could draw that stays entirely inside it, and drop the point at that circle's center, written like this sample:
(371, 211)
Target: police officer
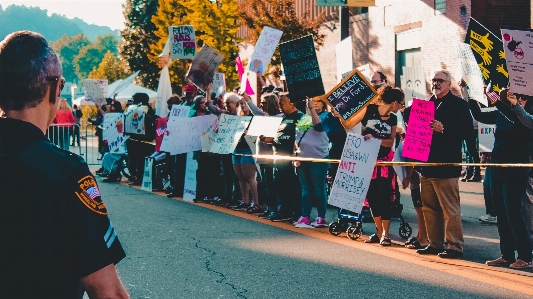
(56, 240)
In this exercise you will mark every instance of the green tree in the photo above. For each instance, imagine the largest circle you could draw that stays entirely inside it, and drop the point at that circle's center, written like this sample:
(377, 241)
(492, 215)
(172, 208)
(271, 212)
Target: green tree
(215, 23)
(67, 48)
(111, 68)
(279, 14)
(91, 55)
(138, 35)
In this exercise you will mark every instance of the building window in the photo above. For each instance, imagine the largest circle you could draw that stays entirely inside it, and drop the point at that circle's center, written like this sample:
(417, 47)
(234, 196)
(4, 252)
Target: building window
(440, 6)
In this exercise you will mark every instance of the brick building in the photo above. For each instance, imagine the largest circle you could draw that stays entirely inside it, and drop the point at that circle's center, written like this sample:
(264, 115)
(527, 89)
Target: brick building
(407, 39)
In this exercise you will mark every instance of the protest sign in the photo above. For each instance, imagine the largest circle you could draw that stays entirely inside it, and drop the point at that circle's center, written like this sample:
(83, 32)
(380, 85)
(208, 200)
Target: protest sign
(417, 142)
(352, 94)
(488, 51)
(468, 70)
(355, 171)
(95, 90)
(113, 133)
(230, 129)
(183, 42)
(301, 69)
(263, 51)
(518, 47)
(183, 135)
(189, 185)
(160, 130)
(401, 171)
(134, 119)
(486, 137)
(264, 125)
(207, 139)
(179, 111)
(203, 67)
(219, 84)
(147, 175)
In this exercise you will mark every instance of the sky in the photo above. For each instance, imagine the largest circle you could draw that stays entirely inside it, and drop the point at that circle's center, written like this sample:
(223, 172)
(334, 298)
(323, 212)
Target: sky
(99, 12)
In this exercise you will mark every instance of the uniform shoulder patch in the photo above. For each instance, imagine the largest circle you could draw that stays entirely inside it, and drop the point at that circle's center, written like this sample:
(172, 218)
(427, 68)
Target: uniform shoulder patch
(89, 195)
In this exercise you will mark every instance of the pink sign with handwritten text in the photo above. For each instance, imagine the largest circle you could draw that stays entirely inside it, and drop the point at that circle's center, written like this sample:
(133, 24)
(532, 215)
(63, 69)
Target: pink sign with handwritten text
(418, 137)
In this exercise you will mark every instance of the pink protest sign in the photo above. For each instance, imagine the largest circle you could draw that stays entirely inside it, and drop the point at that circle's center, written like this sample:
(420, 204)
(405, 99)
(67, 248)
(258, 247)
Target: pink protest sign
(418, 137)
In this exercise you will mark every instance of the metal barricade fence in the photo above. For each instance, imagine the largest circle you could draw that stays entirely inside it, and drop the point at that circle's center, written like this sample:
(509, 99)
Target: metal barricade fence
(74, 138)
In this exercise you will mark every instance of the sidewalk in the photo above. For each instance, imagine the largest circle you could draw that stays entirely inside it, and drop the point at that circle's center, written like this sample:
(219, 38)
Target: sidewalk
(481, 240)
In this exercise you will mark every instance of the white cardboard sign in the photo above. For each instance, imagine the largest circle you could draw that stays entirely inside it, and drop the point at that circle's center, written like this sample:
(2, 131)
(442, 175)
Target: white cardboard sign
(264, 125)
(182, 41)
(468, 70)
(518, 47)
(183, 135)
(230, 130)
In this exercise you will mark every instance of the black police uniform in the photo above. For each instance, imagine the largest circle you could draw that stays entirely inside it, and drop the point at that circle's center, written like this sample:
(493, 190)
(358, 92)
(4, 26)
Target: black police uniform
(54, 228)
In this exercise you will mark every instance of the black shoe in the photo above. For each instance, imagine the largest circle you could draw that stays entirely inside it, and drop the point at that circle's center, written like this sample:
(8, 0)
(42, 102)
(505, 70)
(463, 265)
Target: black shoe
(450, 254)
(242, 207)
(264, 215)
(280, 217)
(111, 180)
(233, 204)
(474, 179)
(466, 178)
(204, 200)
(135, 183)
(171, 195)
(429, 250)
(169, 190)
(100, 171)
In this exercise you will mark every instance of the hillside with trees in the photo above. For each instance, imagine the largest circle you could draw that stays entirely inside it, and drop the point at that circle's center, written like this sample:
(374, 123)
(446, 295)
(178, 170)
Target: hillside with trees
(53, 27)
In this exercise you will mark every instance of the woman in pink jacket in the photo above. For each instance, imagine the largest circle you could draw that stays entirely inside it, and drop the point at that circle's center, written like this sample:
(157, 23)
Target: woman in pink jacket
(63, 124)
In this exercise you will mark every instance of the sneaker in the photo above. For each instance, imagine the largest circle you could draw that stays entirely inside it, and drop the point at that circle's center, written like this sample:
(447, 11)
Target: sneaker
(520, 264)
(319, 222)
(302, 220)
(233, 204)
(279, 217)
(242, 207)
(254, 209)
(272, 215)
(499, 262)
(264, 215)
(487, 218)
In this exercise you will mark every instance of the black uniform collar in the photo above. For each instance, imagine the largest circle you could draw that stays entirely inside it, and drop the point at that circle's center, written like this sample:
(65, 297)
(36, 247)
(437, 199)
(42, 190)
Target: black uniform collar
(18, 130)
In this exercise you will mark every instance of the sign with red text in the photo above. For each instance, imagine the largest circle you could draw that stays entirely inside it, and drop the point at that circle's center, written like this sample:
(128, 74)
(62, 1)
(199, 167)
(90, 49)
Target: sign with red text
(355, 171)
(486, 137)
(518, 47)
(182, 41)
(419, 134)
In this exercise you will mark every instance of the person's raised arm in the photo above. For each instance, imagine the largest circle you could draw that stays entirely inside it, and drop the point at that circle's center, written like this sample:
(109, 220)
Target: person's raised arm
(524, 117)
(482, 117)
(314, 116)
(255, 110)
(104, 284)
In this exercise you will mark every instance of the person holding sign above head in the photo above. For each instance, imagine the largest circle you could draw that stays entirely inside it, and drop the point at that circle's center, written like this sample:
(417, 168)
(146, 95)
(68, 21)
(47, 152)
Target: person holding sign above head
(379, 121)
(507, 184)
(440, 185)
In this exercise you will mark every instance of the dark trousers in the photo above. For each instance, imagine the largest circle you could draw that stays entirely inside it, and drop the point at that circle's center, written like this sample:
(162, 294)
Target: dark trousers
(489, 207)
(508, 186)
(289, 189)
(137, 151)
(76, 134)
(472, 155)
(232, 190)
(178, 174)
(206, 175)
(268, 190)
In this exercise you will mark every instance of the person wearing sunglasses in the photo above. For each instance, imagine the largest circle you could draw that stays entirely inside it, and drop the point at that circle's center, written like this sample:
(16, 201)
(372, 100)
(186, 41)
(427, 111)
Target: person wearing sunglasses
(439, 186)
(56, 238)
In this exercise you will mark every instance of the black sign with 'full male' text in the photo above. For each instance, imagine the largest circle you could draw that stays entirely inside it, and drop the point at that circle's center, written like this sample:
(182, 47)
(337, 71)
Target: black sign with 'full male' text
(352, 94)
(301, 68)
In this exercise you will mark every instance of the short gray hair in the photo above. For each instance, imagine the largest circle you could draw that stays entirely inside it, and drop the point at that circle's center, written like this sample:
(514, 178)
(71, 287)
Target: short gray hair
(232, 97)
(446, 72)
(26, 60)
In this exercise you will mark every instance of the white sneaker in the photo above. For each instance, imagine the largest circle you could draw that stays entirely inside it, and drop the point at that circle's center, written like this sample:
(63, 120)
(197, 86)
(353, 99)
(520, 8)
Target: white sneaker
(487, 218)
(319, 222)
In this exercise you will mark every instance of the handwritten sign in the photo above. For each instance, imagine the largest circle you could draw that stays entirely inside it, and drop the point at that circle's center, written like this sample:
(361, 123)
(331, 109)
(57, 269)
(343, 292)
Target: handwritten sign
(264, 125)
(203, 67)
(134, 119)
(207, 139)
(183, 42)
(113, 133)
(486, 137)
(179, 111)
(147, 175)
(95, 90)
(417, 142)
(189, 186)
(355, 171)
(488, 51)
(183, 135)
(219, 84)
(352, 94)
(518, 47)
(301, 69)
(230, 130)
(468, 70)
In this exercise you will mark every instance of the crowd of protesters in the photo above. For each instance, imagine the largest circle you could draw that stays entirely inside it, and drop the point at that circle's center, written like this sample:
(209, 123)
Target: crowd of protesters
(286, 190)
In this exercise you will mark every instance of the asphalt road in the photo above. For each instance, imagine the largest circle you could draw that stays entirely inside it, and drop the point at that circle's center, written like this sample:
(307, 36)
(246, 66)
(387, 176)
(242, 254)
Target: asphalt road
(177, 249)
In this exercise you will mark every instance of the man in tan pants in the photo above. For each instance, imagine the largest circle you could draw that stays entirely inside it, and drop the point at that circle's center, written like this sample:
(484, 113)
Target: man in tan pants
(440, 185)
